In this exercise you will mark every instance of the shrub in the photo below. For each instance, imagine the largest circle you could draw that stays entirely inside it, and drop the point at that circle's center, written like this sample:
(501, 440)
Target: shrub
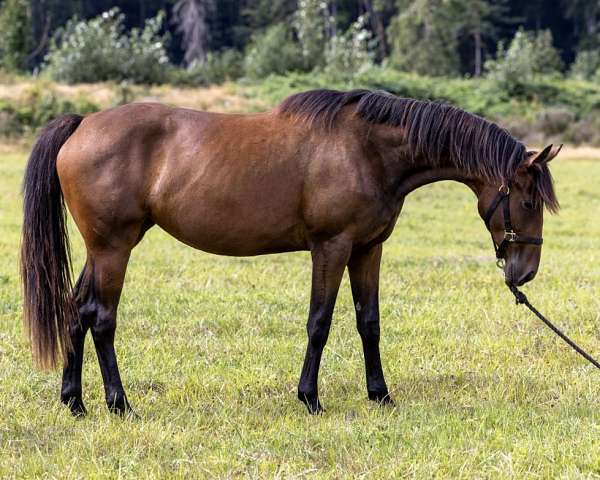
(556, 120)
(527, 56)
(586, 65)
(39, 105)
(218, 67)
(99, 49)
(273, 52)
(352, 52)
(585, 131)
(147, 59)
(312, 22)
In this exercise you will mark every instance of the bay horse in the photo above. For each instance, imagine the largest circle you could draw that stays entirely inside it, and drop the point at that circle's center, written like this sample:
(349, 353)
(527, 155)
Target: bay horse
(325, 171)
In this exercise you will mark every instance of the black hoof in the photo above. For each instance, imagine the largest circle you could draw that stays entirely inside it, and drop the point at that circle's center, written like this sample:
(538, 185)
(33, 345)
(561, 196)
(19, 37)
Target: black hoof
(312, 403)
(120, 406)
(75, 404)
(383, 398)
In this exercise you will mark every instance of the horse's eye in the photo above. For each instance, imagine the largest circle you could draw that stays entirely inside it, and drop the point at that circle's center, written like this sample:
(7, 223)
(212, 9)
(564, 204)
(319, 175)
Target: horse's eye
(527, 205)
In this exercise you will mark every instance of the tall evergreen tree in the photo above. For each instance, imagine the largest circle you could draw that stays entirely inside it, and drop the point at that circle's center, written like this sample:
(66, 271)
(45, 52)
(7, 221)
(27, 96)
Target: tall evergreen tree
(424, 37)
(191, 18)
(586, 15)
(480, 19)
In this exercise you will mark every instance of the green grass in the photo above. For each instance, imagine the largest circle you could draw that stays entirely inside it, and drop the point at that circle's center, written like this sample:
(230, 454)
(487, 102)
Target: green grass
(211, 349)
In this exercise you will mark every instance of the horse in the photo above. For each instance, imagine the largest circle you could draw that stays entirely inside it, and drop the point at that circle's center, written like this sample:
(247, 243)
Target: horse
(325, 171)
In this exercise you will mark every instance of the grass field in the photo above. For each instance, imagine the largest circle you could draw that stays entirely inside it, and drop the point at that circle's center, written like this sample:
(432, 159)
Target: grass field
(211, 349)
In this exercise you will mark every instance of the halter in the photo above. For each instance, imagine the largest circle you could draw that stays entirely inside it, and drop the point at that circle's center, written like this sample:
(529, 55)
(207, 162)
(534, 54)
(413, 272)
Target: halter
(510, 236)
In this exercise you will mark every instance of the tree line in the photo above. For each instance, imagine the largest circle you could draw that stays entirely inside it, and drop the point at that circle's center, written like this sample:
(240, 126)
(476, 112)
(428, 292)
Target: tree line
(259, 37)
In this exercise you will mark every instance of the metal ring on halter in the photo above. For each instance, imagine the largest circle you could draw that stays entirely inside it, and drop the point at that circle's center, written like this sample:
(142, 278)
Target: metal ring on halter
(500, 263)
(504, 189)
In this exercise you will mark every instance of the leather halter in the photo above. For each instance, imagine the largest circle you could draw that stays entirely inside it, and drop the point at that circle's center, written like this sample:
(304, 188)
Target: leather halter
(510, 236)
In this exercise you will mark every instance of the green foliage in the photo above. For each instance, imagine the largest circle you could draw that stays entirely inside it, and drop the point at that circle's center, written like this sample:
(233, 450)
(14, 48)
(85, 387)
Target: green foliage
(218, 67)
(424, 39)
(39, 105)
(586, 65)
(15, 34)
(273, 52)
(351, 52)
(528, 55)
(313, 25)
(99, 49)
(545, 107)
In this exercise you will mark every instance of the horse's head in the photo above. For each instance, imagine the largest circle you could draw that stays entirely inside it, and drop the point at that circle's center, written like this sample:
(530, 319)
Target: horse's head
(513, 214)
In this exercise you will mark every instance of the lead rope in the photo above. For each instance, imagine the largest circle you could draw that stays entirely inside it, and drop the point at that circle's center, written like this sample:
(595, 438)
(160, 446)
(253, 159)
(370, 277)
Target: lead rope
(521, 299)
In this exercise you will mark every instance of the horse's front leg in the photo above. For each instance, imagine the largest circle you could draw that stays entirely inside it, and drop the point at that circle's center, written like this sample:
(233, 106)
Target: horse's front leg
(329, 260)
(364, 280)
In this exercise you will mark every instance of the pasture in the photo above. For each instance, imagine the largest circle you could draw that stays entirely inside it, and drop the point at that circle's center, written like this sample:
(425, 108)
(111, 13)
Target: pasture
(211, 348)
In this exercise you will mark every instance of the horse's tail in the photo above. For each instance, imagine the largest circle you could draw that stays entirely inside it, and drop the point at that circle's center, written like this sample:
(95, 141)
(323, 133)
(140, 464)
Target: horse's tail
(45, 254)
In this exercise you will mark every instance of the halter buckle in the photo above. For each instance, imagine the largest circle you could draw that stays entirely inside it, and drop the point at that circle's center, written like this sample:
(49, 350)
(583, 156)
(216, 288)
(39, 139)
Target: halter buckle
(500, 263)
(510, 236)
(505, 189)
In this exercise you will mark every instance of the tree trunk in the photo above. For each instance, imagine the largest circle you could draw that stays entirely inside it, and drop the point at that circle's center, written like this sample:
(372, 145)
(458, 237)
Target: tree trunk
(378, 28)
(478, 53)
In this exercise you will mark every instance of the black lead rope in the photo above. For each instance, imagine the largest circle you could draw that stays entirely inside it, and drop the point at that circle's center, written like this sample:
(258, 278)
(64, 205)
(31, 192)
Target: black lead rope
(502, 197)
(521, 299)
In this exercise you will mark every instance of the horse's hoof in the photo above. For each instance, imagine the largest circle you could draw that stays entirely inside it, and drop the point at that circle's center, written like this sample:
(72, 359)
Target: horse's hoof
(75, 405)
(312, 403)
(120, 406)
(382, 398)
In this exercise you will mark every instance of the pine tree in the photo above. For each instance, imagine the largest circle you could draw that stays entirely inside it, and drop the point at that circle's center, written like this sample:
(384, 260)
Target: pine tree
(480, 19)
(424, 37)
(191, 18)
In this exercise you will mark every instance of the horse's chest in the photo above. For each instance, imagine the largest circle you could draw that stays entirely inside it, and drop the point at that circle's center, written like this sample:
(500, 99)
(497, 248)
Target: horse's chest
(377, 221)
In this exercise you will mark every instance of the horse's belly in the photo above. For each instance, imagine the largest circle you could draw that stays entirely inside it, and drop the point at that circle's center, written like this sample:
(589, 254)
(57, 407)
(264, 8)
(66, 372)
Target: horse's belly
(235, 232)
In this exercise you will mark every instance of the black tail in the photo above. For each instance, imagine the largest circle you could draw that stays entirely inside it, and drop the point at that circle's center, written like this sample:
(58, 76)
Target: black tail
(45, 254)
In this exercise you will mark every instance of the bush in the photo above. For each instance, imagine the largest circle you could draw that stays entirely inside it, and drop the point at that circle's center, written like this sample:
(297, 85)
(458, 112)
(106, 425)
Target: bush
(586, 65)
(585, 131)
(218, 67)
(273, 52)
(556, 120)
(312, 24)
(38, 106)
(352, 52)
(99, 50)
(528, 55)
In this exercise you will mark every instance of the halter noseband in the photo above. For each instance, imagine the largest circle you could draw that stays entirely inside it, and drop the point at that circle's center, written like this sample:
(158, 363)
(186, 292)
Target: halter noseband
(502, 197)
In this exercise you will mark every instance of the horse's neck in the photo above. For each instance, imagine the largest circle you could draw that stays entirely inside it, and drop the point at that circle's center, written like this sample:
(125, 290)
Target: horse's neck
(427, 174)
(406, 171)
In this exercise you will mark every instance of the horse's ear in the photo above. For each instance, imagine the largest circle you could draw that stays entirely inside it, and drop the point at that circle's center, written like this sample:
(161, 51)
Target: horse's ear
(546, 155)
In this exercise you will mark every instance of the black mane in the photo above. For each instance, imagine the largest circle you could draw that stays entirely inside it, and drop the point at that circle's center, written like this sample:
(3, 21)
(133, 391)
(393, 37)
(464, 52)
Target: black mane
(473, 144)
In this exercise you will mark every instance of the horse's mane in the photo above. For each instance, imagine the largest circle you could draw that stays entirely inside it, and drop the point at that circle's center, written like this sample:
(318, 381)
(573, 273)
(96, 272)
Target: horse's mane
(432, 129)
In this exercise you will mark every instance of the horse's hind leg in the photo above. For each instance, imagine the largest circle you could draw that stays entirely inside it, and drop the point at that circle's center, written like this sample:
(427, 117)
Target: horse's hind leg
(71, 393)
(97, 293)
(108, 273)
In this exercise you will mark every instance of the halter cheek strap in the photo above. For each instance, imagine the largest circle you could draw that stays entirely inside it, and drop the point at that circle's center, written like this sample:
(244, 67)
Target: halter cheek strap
(510, 236)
